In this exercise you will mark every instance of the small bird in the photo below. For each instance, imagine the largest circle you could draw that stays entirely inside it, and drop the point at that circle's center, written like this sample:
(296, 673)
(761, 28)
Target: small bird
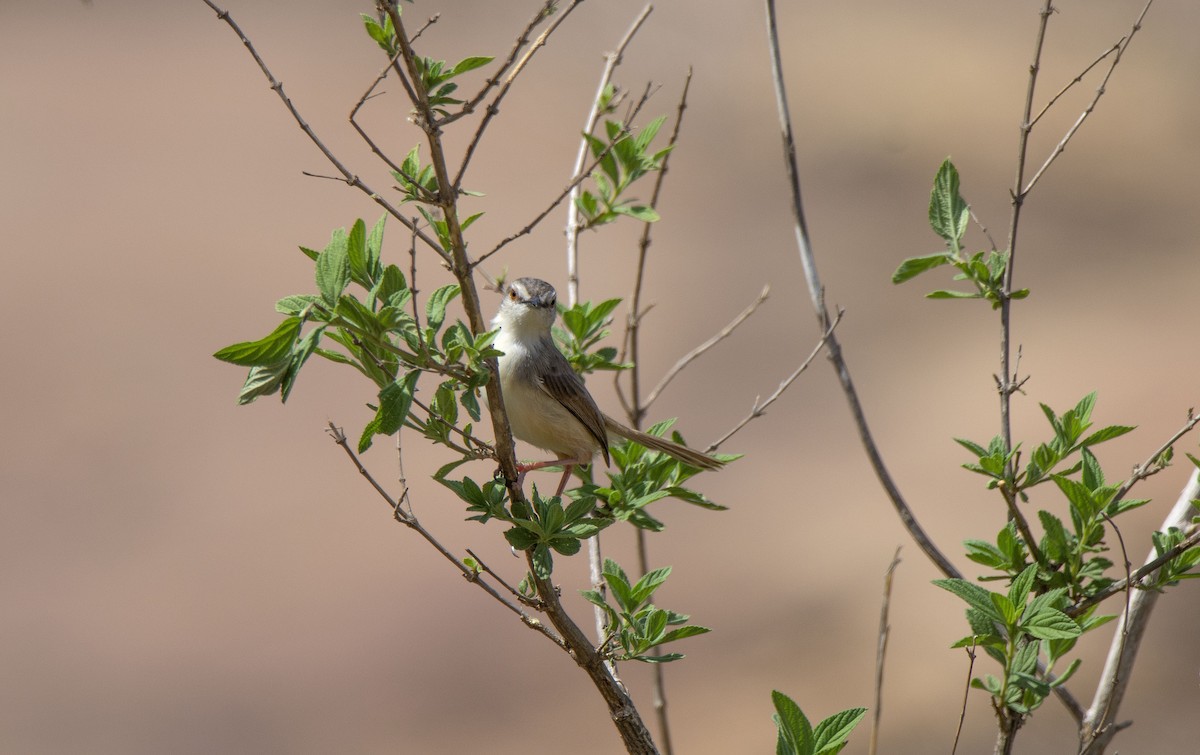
(547, 402)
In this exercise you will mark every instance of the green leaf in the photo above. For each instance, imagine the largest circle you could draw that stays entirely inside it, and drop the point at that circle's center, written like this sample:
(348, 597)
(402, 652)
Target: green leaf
(914, 266)
(356, 253)
(948, 212)
(1022, 585)
(832, 733)
(269, 350)
(641, 212)
(395, 401)
(973, 594)
(952, 295)
(435, 307)
(333, 269)
(1051, 624)
(262, 381)
(795, 732)
(468, 64)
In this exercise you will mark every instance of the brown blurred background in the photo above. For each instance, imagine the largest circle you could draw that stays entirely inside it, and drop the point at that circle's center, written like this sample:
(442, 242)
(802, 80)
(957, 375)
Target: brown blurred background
(182, 575)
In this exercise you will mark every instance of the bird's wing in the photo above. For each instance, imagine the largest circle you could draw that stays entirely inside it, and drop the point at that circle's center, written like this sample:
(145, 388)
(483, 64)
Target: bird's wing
(561, 383)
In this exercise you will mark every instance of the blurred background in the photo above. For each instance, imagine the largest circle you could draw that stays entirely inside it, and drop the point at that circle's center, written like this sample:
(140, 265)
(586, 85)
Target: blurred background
(180, 574)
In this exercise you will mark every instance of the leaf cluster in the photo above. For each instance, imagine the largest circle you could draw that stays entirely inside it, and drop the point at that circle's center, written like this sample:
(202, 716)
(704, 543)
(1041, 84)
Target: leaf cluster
(583, 327)
(636, 624)
(949, 216)
(1016, 628)
(799, 737)
(624, 157)
(643, 476)
(377, 331)
(1069, 554)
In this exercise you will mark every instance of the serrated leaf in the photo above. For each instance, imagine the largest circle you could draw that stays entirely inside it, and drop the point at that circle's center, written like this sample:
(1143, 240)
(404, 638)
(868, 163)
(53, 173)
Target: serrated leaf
(795, 732)
(948, 213)
(435, 307)
(269, 350)
(975, 596)
(333, 269)
(1050, 624)
(830, 734)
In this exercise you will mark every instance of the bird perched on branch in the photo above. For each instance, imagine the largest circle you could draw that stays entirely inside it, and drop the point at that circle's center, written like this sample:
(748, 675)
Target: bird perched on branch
(548, 405)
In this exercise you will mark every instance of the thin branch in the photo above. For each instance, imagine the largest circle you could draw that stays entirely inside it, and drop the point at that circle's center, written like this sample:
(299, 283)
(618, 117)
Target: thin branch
(426, 195)
(817, 294)
(1152, 466)
(634, 733)
(881, 651)
(634, 410)
(493, 108)
(1078, 79)
(695, 353)
(611, 61)
(1135, 579)
(487, 569)
(1062, 144)
(469, 106)
(411, 522)
(962, 715)
(349, 177)
(758, 409)
(570, 187)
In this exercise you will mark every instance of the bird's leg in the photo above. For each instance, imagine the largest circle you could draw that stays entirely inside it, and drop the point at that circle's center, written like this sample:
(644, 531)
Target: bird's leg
(568, 464)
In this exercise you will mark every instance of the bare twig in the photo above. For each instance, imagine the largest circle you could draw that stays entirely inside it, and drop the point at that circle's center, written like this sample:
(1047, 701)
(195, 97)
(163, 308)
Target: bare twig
(348, 176)
(962, 715)
(411, 522)
(1098, 727)
(570, 187)
(1078, 78)
(758, 409)
(1151, 465)
(881, 651)
(1062, 144)
(816, 293)
(634, 410)
(469, 106)
(493, 107)
(611, 61)
(523, 598)
(695, 353)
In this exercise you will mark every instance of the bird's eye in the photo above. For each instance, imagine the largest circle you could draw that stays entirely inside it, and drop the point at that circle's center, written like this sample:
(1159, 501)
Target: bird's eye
(512, 295)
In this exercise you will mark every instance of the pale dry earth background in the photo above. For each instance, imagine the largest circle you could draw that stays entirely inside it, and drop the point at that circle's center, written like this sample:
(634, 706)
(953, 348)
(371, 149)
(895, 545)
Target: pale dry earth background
(182, 575)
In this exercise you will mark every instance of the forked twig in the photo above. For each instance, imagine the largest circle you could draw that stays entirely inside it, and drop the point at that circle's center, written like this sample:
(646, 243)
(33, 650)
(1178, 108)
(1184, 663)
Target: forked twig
(758, 409)
(411, 522)
(347, 175)
(1062, 144)
(493, 107)
(697, 352)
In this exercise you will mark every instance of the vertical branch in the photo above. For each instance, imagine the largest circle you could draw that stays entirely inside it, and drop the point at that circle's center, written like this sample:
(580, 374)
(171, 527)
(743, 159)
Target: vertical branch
(817, 295)
(1008, 382)
(611, 61)
(881, 651)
